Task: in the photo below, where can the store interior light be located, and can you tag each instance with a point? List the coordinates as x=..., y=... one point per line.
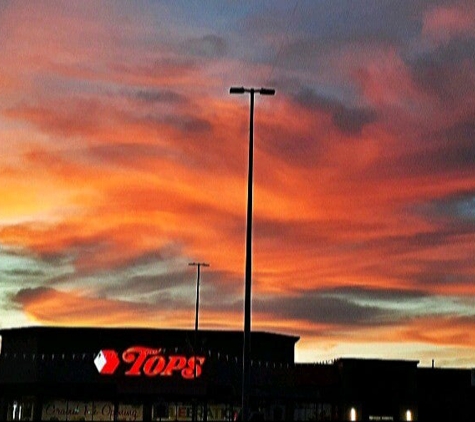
x=408, y=415
x=352, y=414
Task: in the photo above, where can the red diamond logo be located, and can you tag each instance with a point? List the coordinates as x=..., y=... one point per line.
x=107, y=362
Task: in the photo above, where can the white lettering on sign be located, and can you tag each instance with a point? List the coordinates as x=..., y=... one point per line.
x=184, y=412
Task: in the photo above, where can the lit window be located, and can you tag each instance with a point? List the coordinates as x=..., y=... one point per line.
x=352, y=414
x=408, y=415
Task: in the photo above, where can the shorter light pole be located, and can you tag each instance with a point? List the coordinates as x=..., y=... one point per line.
x=198, y=265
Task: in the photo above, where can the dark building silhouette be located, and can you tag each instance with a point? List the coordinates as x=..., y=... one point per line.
x=51, y=373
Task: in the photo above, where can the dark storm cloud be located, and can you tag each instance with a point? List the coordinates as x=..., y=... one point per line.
x=318, y=307
x=315, y=235
x=156, y=257
x=305, y=145
x=145, y=278
x=423, y=240
x=211, y=281
x=447, y=72
x=422, y=272
x=300, y=149
x=217, y=294
x=302, y=54
x=462, y=132
x=337, y=22
x=210, y=284
x=452, y=220
x=47, y=258
x=455, y=155
x=457, y=150
x=156, y=283
x=188, y=123
x=24, y=272
x=349, y=120
x=302, y=231
x=449, y=150
x=352, y=120
x=152, y=96
x=317, y=30
x=24, y=295
x=432, y=275
x=208, y=46
x=157, y=71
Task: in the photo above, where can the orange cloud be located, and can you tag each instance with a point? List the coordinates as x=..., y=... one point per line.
x=50, y=306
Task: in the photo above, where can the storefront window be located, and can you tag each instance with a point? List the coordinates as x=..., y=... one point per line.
x=20, y=410
x=103, y=411
x=220, y=412
x=55, y=410
x=324, y=412
x=72, y=410
x=184, y=412
x=130, y=412
x=161, y=411
x=305, y=412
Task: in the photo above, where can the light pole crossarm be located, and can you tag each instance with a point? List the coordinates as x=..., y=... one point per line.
x=242, y=90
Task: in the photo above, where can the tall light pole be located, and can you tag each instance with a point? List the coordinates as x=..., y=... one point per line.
x=198, y=265
x=246, y=369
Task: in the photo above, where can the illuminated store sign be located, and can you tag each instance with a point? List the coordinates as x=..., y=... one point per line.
x=150, y=362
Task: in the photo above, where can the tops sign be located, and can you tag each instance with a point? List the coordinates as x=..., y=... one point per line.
x=141, y=360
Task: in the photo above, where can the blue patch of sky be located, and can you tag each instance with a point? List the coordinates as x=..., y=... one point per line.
x=466, y=207
x=18, y=269
x=458, y=207
x=139, y=282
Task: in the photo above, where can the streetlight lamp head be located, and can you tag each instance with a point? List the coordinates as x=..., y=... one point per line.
x=267, y=91
x=237, y=90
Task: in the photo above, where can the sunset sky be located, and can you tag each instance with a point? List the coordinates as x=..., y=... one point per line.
x=124, y=158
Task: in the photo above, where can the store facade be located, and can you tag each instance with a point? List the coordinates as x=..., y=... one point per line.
x=50, y=373
x=107, y=374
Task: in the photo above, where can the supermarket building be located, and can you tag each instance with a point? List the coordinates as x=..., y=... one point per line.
x=134, y=374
